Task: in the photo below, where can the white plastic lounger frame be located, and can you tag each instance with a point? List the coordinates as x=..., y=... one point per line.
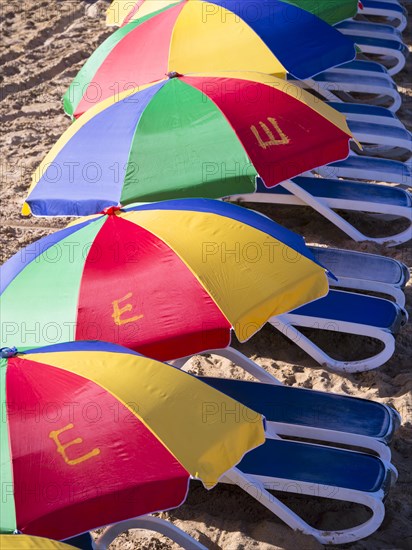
x=151, y=523
x=369, y=29
x=393, y=16
x=395, y=58
x=258, y=487
x=371, y=286
x=325, y=207
x=287, y=324
x=235, y=357
x=375, y=133
x=275, y=430
x=368, y=284
x=376, y=142
x=385, y=94
x=300, y=197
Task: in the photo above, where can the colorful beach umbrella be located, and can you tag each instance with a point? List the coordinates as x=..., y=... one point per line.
x=93, y=433
x=193, y=36
x=121, y=12
x=167, y=279
x=24, y=542
x=187, y=136
x=331, y=11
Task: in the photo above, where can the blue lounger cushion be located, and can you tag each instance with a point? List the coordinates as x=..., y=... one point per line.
x=363, y=65
x=381, y=43
x=360, y=265
x=84, y=541
x=362, y=109
x=355, y=308
x=311, y=408
x=348, y=78
x=374, y=164
x=387, y=30
x=384, y=6
x=295, y=461
x=345, y=190
x=390, y=132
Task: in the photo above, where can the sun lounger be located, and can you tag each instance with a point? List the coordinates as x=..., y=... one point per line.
x=391, y=52
x=350, y=313
x=371, y=90
x=325, y=195
x=378, y=126
x=392, y=142
x=391, y=12
x=367, y=113
x=315, y=471
x=369, y=30
x=377, y=39
x=369, y=169
x=339, y=311
x=300, y=413
x=300, y=468
x=150, y=523
x=369, y=80
x=365, y=272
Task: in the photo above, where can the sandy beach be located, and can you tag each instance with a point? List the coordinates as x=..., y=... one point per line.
x=44, y=45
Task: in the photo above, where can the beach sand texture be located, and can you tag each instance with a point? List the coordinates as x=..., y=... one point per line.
x=44, y=44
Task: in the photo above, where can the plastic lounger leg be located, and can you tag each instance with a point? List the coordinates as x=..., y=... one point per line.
x=399, y=20
x=321, y=207
x=400, y=60
x=284, y=323
x=328, y=89
x=239, y=359
x=150, y=523
x=257, y=490
x=364, y=170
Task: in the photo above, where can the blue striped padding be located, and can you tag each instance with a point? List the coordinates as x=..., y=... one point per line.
x=290, y=460
x=393, y=132
x=380, y=43
x=353, y=308
x=360, y=109
x=303, y=43
x=384, y=166
x=348, y=78
x=312, y=408
x=384, y=6
x=363, y=65
x=360, y=265
x=387, y=30
x=345, y=190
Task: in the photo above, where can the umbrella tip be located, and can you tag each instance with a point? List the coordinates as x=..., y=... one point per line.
x=8, y=352
x=111, y=210
x=173, y=74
